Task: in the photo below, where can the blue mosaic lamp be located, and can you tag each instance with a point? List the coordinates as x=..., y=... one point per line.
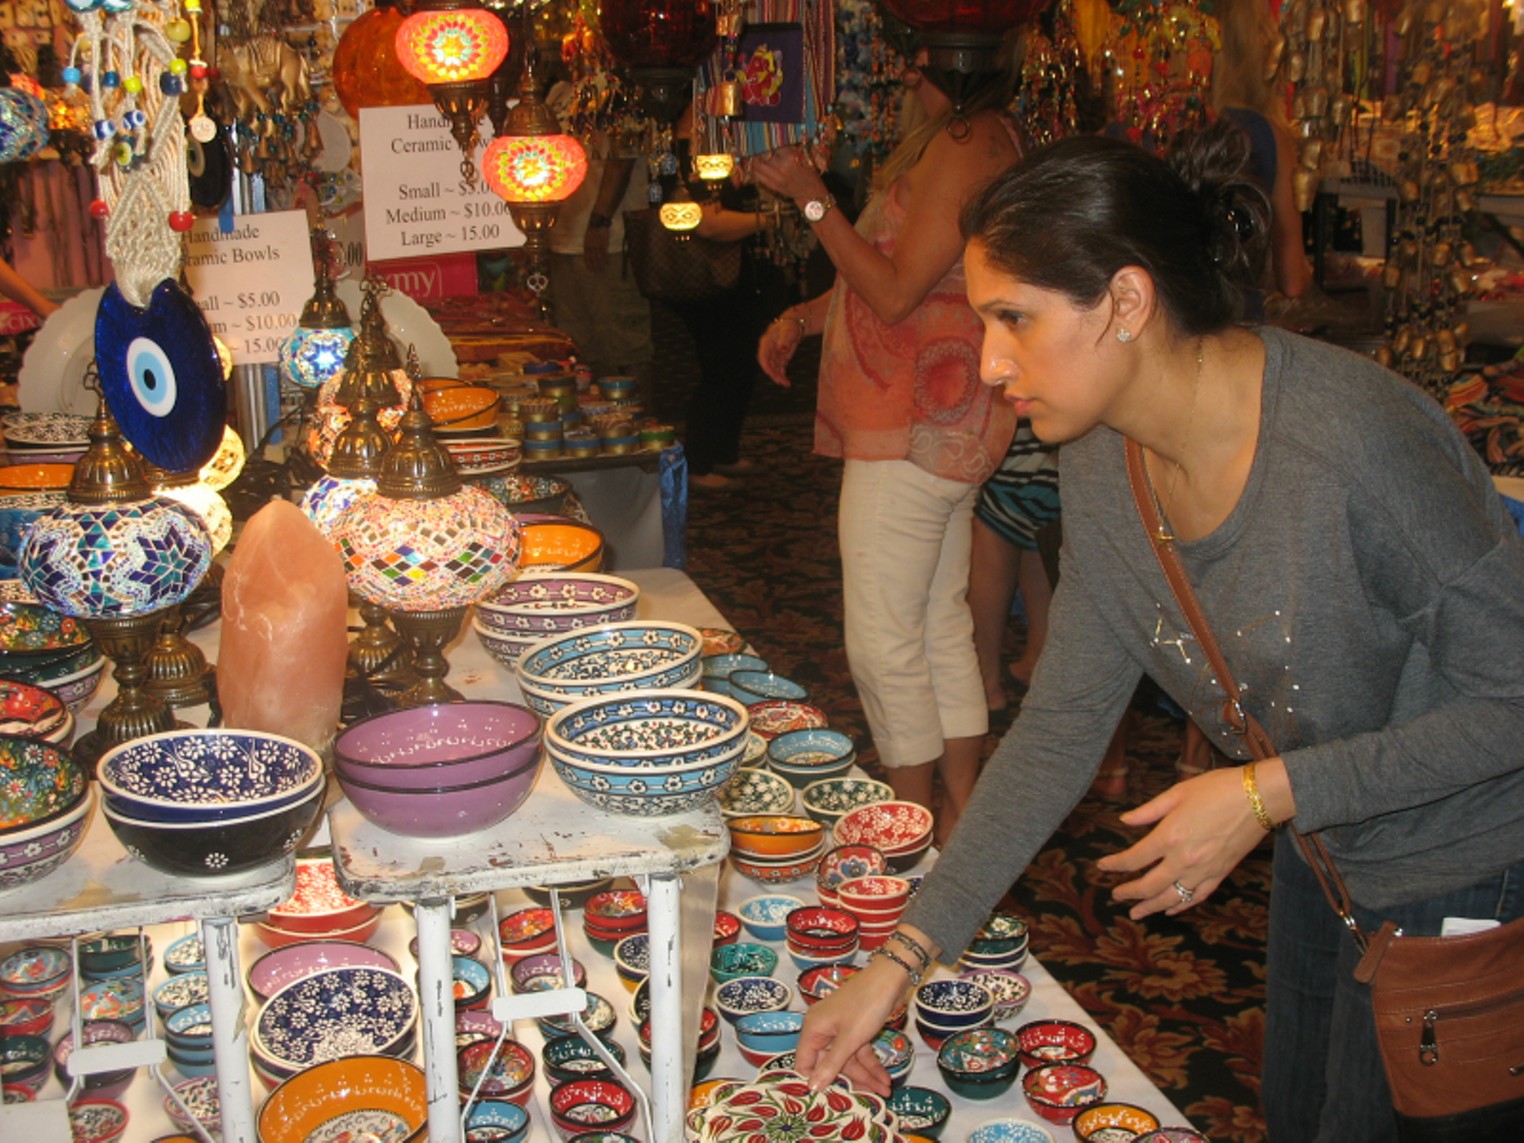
x=116, y=556
x=315, y=350
x=425, y=546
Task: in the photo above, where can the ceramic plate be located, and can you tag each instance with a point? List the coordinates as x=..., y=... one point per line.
x=780, y=1105
x=52, y=377
x=39, y=430
x=408, y=323
x=334, y=1013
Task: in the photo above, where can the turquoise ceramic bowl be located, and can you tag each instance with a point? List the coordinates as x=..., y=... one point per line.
x=742, y=959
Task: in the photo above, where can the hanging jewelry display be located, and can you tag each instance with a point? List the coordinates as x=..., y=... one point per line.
x=158, y=364
x=1162, y=55
x=1326, y=57
x=1047, y=100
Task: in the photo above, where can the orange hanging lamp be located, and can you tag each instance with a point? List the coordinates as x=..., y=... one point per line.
x=534, y=167
x=453, y=47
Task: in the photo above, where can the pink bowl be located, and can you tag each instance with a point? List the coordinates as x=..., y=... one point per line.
x=438, y=746
x=446, y=812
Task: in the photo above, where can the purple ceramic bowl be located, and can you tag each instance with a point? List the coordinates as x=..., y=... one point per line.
x=101, y=1085
x=30, y=855
x=445, y=745
x=447, y=811
x=290, y=963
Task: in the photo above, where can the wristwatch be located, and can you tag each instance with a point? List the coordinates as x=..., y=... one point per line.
x=817, y=208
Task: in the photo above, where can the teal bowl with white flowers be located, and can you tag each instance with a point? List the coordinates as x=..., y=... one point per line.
x=828, y=799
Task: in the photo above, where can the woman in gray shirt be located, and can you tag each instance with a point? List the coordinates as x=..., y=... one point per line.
x=1351, y=555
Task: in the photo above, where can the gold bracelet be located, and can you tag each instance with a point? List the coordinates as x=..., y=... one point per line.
x=1256, y=803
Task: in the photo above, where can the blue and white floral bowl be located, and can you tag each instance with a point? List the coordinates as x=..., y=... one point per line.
x=550, y=603
x=215, y=775
x=765, y=916
x=746, y=995
x=635, y=655
x=811, y=754
x=827, y=799
x=334, y=1013
x=756, y=791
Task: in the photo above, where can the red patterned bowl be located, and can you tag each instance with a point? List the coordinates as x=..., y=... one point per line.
x=821, y=929
x=318, y=905
x=1059, y=1092
x=591, y=1104
x=893, y=827
x=1054, y=1042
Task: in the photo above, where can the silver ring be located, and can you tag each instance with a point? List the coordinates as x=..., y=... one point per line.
x=1186, y=895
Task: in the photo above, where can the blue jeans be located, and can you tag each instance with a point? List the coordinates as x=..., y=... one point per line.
x=1320, y=1035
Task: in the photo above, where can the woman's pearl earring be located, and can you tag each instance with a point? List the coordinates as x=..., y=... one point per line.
x=1124, y=335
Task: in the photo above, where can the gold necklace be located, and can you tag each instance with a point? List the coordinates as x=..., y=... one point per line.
x=1163, y=535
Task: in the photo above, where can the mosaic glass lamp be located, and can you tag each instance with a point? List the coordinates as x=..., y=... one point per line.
x=453, y=47
x=117, y=557
x=658, y=44
x=425, y=546
x=316, y=349
x=371, y=366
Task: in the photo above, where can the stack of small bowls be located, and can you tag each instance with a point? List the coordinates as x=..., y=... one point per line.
x=440, y=770
x=647, y=753
x=979, y=1063
x=1000, y=943
x=115, y=954
x=945, y=1007
x=42, y=647
x=843, y=863
x=810, y=754
x=821, y=934
x=210, y=802
x=706, y=1051
x=24, y=1062
x=503, y=1073
x=901, y=831
x=538, y=604
x=762, y=1035
x=202, y=1103
x=188, y=1036
x=1009, y=989
x=877, y=902
x=572, y=1057
x=180, y=990
x=36, y=972
x=28, y=1016
x=612, y=915
x=118, y=999
x=319, y=910
x=100, y=1085
x=750, y=686
x=526, y=932
x=717, y=670
x=45, y=807
x=581, y=1105
x=773, y=843
x=592, y=662
x=29, y=711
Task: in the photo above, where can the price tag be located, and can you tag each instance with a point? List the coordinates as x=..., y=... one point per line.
x=416, y=203
x=252, y=282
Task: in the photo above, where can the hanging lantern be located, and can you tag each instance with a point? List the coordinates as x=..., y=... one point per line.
x=315, y=350
x=680, y=212
x=23, y=125
x=963, y=38
x=453, y=48
x=366, y=72
x=659, y=43
x=534, y=168
x=714, y=168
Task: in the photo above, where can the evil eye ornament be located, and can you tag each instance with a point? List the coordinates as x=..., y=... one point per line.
x=209, y=167
x=161, y=376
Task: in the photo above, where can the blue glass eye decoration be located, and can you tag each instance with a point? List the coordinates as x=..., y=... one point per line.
x=161, y=376
x=210, y=169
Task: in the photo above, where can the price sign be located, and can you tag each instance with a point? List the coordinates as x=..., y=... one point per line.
x=416, y=203
x=252, y=282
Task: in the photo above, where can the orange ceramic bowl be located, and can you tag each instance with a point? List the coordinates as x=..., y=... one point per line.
x=463, y=408
x=775, y=835
x=562, y=545
x=19, y=478
x=394, y=1089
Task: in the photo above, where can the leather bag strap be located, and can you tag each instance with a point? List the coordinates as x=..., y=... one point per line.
x=1239, y=720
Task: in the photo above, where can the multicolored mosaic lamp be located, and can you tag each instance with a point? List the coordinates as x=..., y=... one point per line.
x=116, y=556
x=315, y=350
x=454, y=46
x=425, y=546
x=371, y=366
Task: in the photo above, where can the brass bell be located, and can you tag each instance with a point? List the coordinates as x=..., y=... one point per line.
x=1418, y=347
x=1317, y=19
x=1296, y=68
x=1354, y=11
x=1384, y=357
x=1317, y=101
x=728, y=102
x=1462, y=332
x=1449, y=361
x=1304, y=184
x=1402, y=340
x=1445, y=340
x=1312, y=153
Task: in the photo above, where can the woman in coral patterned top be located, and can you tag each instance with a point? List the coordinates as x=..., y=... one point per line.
x=900, y=402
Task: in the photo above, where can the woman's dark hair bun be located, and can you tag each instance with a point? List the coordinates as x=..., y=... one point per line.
x=1214, y=162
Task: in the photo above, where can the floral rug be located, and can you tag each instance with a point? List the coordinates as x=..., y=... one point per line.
x=1183, y=996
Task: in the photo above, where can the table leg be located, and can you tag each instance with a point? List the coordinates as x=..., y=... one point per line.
x=668, y=1084
x=219, y=937
x=436, y=994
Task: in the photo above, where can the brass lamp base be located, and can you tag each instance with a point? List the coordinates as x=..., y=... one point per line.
x=378, y=655
x=177, y=669
x=428, y=633
x=135, y=711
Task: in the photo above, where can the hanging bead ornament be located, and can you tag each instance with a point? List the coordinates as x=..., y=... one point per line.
x=1047, y=99
x=159, y=367
x=1161, y=54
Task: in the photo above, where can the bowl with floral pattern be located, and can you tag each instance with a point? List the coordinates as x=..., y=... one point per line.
x=571, y=1057
x=778, y=716
x=579, y=1105
x=765, y=916
x=844, y=863
x=752, y=790
x=1110, y=1122
x=334, y=1013
x=743, y=958
x=751, y=686
x=748, y=994
x=921, y=1110
x=716, y=670
x=979, y=1063
x=35, y=971
x=635, y=654
x=32, y=632
x=900, y=829
x=543, y=972
x=29, y=711
x=96, y=1120
x=1055, y=1042
x=361, y=1096
x=1059, y=1092
x=1009, y=1129
x=778, y=871
x=828, y=799
x=28, y=855
x=810, y=754
x=953, y=1003
x=38, y=782
x=774, y=835
x=548, y=603
x=496, y=1121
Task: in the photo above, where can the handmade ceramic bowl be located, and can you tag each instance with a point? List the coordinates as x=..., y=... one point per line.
x=503, y=648
x=896, y=1051
x=1009, y=1129
x=774, y=835
x=567, y=545
x=582, y=1104
x=366, y=1093
x=544, y=971
x=900, y=830
x=185, y=954
x=843, y=863
x=97, y=1120
x=1009, y=990
x=462, y=408
x=748, y=994
x=754, y=791
x=74, y=677
x=496, y=1121
x=26, y=1016
x=38, y=782
x=523, y=931
x=318, y=904
x=632, y=959
x=193, y=849
x=1106, y=1122
x=41, y=971
x=1172, y=1135
x=598, y=1018
x=103, y=1085
x=32, y=635
x=179, y=991
x=621, y=911
x=810, y=755
x=979, y=1063
x=212, y=775
x=635, y=654
x=817, y=983
x=47, y=430
x=277, y=937
x=828, y=799
x=768, y=1033
x=541, y=603
x=440, y=745
x=28, y=855
x=483, y=456
x=335, y=1013
x=820, y=930
x=572, y=1057
x=878, y=897
x=1055, y=1042
x=762, y=686
x=741, y=959
x=779, y=716
x=717, y=669
x=24, y=1060
x=524, y=493
x=776, y=872
x=953, y=1004
x=921, y=1110
x=28, y=711
x=27, y=478
x=446, y=811
x=1059, y=1092
x=765, y=916
x=662, y=732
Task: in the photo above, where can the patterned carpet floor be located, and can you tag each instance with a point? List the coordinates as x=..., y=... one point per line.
x=1183, y=996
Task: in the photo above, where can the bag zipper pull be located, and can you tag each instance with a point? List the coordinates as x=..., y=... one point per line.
x=1428, y=1046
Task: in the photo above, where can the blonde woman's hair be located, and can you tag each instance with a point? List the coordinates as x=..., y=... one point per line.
x=1243, y=74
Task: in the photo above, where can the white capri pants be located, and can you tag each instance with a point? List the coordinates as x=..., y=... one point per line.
x=905, y=537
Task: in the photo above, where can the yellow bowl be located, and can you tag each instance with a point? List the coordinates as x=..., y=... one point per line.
x=775, y=835
x=462, y=408
x=21, y=478
x=563, y=545
x=307, y=1100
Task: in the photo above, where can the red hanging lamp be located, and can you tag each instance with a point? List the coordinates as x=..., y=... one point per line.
x=963, y=38
x=658, y=44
